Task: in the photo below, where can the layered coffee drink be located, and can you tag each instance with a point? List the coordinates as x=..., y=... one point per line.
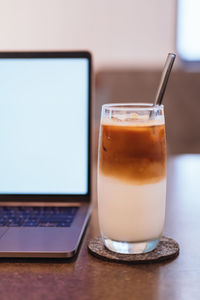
x=132, y=177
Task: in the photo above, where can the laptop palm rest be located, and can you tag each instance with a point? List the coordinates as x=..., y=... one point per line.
x=38, y=242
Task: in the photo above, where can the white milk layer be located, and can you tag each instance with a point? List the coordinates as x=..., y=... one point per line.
x=129, y=212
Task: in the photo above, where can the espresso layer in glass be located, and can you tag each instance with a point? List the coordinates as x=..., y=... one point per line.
x=132, y=152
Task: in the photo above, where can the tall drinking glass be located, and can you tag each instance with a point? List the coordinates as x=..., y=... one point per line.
x=131, y=176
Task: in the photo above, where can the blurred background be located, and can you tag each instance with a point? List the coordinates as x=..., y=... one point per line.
x=129, y=40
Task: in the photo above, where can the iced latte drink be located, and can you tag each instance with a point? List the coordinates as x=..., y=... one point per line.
x=132, y=177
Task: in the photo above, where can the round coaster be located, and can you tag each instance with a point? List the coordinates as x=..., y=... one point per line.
x=167, y=249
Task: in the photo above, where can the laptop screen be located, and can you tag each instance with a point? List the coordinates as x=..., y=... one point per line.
x=44, y=111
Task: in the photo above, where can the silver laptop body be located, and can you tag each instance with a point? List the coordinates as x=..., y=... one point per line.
x=45, y=155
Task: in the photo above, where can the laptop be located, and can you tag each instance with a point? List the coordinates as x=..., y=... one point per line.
x=45, y=157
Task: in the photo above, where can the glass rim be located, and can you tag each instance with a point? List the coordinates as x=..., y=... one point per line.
x=139, y=106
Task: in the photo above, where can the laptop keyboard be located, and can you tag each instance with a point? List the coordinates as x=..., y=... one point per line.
x=37, y=216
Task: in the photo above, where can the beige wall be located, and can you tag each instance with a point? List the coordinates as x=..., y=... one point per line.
x=118, y=32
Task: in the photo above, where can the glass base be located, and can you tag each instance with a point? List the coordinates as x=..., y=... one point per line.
x=130, y=247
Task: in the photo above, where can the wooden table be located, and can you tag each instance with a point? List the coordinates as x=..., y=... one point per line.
x=90, y=278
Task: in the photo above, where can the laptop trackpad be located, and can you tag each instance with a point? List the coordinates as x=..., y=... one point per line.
x=37, y=240
x=2, y=231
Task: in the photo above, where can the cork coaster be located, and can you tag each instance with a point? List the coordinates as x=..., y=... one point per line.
x=166, y=249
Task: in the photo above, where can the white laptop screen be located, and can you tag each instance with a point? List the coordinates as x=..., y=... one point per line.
x=44, y=125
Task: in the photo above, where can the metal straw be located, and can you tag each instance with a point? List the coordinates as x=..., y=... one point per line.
x=164, y=79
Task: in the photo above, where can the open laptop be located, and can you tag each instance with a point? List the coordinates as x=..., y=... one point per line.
x=45, y=156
